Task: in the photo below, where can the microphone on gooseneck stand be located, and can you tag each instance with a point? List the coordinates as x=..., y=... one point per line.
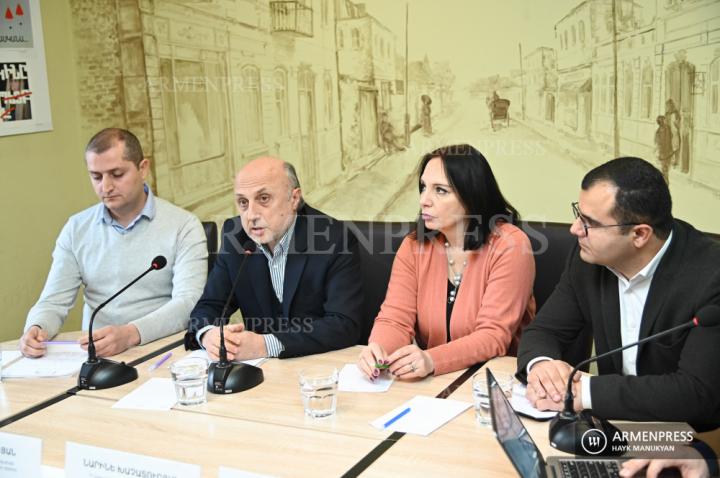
x=568, y=427
x=98, y=373
x=232, y=377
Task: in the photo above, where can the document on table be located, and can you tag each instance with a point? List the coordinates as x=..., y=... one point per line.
x=353, y=380
x=421, y=415
x=522, y=405
x=9, y=356
x=203, y=354
x=155, y=394
x=52, y=472
x=60, y=360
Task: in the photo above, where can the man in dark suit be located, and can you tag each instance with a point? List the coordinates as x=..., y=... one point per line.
x=299, y=291
x=635, y=271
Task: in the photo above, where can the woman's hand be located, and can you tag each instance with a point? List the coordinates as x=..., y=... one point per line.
x=370, y=356
x=410, y=362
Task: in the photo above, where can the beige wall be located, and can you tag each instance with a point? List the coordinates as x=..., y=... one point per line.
x=43, y=181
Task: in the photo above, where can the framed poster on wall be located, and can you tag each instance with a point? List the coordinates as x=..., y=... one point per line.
x=24, y=97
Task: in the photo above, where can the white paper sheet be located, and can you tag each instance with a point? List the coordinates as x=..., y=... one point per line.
x=9, y=356
x=60, y=360
x=522, y=405
x=155, y=394
x=52, y=472
x=203, y=354
x=426, y=415
x=353, y=380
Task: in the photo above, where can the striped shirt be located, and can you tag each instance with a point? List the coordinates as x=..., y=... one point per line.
x=276, y=265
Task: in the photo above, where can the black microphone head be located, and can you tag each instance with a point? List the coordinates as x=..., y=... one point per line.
x=249, y=246
x=708, y=316
x=158, y=263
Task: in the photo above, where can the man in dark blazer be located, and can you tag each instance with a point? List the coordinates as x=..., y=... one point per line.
x=299, y=290
x=635, y=272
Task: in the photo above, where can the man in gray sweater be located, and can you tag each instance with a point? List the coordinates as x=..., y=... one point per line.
x=107, y=245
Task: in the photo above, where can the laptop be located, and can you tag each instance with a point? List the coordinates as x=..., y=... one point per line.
x=524, y=454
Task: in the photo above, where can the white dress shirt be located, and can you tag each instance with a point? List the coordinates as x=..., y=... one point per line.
x=632, y=294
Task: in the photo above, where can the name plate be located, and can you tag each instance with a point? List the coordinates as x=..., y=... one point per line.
x=84, y=461
x=20, y=456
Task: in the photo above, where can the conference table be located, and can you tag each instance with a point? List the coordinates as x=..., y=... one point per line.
x=264, y=430
x=19, y=397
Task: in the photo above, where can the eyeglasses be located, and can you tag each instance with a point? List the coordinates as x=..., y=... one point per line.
x=586, y=226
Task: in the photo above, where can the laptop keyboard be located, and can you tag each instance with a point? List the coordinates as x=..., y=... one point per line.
x=589, y=468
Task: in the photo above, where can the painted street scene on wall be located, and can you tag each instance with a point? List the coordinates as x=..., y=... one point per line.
x=354, y=93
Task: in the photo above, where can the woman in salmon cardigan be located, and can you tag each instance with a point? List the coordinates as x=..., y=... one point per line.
x=461, y=282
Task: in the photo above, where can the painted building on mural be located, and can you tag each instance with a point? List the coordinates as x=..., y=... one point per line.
x=637, y=80
x=368, y=79
x=667, y=54
x=688, y=55
x=540, y=82
x=208, y=86
x=575, y=42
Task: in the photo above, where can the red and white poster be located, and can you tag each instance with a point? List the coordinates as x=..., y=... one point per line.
x=24, y=98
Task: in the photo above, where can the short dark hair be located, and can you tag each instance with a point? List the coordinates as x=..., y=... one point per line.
x=109, y=137
x=642, y=195
x=472, y=179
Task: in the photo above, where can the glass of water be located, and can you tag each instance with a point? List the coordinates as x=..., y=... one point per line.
x=318, y=387
x=481, y=395
x=189, y=376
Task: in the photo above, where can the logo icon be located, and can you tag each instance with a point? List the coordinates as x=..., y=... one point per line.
x=593, y=441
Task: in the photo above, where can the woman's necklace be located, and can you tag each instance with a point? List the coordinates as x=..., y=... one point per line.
x=457, y=276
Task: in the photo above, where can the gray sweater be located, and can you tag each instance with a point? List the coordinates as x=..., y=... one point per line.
x=92, y=253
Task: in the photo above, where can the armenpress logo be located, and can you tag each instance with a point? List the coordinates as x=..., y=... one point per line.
x=593, y=441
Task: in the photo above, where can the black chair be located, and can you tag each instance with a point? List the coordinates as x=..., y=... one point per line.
x=378, y=242
x=551, y=244
x=211, y=233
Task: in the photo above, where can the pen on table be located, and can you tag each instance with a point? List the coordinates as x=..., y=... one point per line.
x=160, y=362
x=396, y=417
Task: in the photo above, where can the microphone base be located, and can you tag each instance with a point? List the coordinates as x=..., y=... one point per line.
x=231, y=377
x=586, y=435
x=104, y=373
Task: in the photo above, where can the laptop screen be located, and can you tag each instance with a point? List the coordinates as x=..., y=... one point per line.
x=512, y=434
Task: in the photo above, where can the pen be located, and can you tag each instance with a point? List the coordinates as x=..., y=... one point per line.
x=160, y=362
x=382, y=366
x=396, y=417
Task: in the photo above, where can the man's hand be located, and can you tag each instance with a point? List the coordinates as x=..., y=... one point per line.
x=112, y=339
x=410, y=362
x=548, y=380
x=240, y=344
x=32, y=343
x=369, y=356
x=549, y=404
x=694, y=466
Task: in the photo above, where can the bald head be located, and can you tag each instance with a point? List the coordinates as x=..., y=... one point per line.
x=267, y=195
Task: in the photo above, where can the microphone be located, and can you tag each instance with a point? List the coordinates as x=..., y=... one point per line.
x=568, y=428
x=232, y=377
x=98, y=373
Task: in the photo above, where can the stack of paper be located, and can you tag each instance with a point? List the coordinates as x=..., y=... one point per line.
x=60, y=360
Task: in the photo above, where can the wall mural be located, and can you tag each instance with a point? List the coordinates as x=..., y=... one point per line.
x=354, y=93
